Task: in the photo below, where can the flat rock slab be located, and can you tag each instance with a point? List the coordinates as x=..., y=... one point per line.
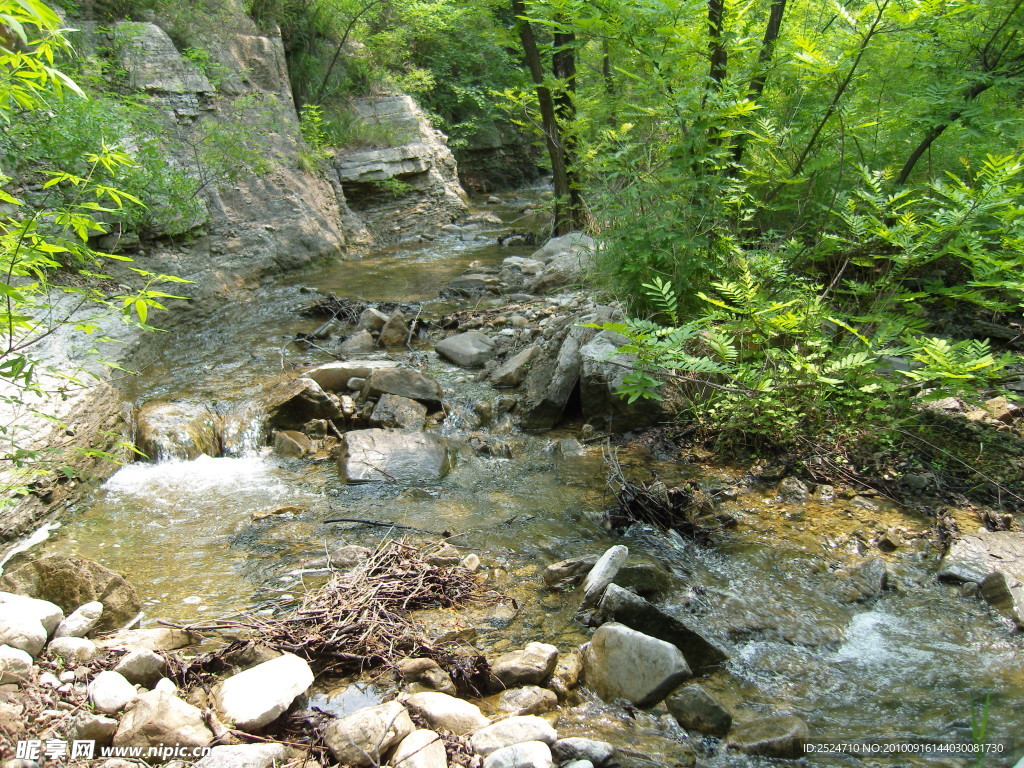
x=975, y=556
x=391, y=455
x=621, y=663
x=469, y=350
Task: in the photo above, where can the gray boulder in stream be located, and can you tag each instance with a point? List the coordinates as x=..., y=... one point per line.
x=975, y=556
x=621, y=663
x=391, y=455
x=622, y=606
x=404, y=382
x=469, y=350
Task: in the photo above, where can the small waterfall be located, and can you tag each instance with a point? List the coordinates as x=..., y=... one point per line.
x=242, y=431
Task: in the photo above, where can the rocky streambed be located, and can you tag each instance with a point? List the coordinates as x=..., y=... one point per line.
x=470, y=409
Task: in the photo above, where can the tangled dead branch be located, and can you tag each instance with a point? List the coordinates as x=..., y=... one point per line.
x=361, y=618
x=685, y=509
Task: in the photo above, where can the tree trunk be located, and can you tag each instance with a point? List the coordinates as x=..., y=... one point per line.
x=764, y=59
x=566, y=215
x=716, y=45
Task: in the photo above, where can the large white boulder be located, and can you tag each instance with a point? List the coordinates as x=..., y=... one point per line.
x=259, y=695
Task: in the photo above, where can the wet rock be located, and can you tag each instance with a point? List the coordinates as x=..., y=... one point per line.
x=70, y=581
x=576, y=748
x=109, y=692
x=648, y=578
x=553, y=376
x=697, y=710
x=15, y=665
x=46, y=613
x=603, y=573
x=177, y=431
x=292, y=444
x=426, y=672
x=566, y=675
x=444, y=555
x=622, y=606
x=865, y=580
x=359, y=343
x=420, y=749
x=512, y=372
x=244, y=756
x=444, y=712
x=364, y=737
x=620, y=662
x=567, y=573
x=512, y=730
x=529, y=666
x=259, y=695
x=1006, y=594
x=142, y=667
x=395, y=332
x=74, y=650
x=468, y=350
x=793, y=491
x=781, y=736
x=348, y=556
x=300, y=401
x=397, y=411
x=89, y=726
x=602, y=375
x=404, y=382
x=974, y=556
x=529, y=754
x=152, y=638
x=21, y=630
x=824, y=494
x=371, y=320
x=335, y=377
x=891, y=540
x=157, y=719
x=530, y=700
x=391, y=455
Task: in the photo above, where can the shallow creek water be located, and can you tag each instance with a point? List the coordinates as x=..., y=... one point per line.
x=911, y=666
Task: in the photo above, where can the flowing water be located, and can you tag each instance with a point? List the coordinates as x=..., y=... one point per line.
x=201, y=538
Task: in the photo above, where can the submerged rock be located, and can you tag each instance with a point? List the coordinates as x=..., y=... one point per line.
x=697, y=710
x=780, y=736
x=391, y=455
x=622, y=663
x=865, y=580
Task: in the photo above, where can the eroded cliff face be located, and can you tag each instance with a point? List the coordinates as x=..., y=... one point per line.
x=407, y=188
x=266, y=214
